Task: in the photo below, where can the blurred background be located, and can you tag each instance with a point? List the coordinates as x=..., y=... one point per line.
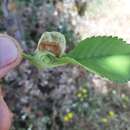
x=68, y=97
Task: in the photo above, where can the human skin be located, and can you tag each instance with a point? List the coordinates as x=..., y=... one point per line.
x=10, y=57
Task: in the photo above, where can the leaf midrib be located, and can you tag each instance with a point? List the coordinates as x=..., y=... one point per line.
x=99, y=56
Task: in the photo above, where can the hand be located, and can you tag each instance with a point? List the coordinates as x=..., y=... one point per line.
x=9, y=58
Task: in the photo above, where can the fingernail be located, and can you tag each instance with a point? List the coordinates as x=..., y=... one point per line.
x=8, y=51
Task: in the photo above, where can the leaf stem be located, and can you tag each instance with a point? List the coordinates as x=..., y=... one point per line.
x=27, y=56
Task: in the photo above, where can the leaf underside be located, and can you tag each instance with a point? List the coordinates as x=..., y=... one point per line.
x=105, y=55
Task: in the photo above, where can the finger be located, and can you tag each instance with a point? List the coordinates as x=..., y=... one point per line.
x=10, y=54
x=5, y=115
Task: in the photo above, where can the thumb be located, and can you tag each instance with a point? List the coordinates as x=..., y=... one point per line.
x=9, y=57
x=5, y=114
x=9, y=54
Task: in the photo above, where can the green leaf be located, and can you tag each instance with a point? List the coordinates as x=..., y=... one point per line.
x=105, y=55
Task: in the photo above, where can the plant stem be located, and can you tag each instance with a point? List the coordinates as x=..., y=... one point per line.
x=27, y=56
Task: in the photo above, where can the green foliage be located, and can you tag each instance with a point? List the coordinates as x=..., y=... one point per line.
x=104, y=55
x=42, y=59
x=107, y=56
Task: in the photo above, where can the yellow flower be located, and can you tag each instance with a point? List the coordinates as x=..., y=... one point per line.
x=79, y=95
x=111, y=114
x=66, y=118
x=104, y=120
x=82, y=94
x=69, y=116
x=84, y=90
